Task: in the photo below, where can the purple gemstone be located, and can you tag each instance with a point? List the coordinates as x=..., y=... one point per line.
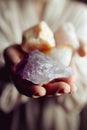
x=39, y=68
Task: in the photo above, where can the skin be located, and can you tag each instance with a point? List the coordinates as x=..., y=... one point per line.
x=14, y=54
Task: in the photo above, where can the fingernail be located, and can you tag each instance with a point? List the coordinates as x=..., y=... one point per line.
x=59, y=92
x=63, y=91
x=35, y=96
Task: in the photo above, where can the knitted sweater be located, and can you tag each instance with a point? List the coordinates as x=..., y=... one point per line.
x=56, y=113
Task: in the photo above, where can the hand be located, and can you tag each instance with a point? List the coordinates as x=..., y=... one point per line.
x=13, y=55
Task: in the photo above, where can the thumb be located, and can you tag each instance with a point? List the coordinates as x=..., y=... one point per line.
x=13, y=55
x=82, y=51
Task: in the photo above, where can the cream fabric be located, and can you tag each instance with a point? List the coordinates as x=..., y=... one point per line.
x=58, y=113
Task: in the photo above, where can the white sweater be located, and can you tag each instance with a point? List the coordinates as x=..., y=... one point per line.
x=59, y=113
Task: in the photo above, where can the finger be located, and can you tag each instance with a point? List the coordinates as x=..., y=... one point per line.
x=32, y=91
x=68, y=80
x=28, y=88
x=82, y=51
x=57, y=88
x=37, y=91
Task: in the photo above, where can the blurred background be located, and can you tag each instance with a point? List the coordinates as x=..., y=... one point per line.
x=6, y=119
x=85, y=1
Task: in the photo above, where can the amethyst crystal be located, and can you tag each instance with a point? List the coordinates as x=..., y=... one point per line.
x=39, y=68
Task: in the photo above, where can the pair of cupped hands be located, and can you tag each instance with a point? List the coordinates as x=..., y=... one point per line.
x=14, y=54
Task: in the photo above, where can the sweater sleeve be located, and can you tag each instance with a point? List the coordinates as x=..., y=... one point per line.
x=9, y=96
x=77, y=14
